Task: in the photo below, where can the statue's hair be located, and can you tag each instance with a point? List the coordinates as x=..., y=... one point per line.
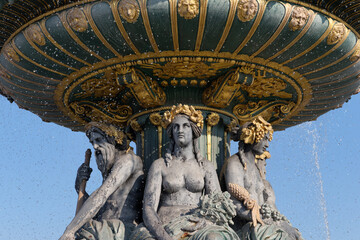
x=196, y=135
x=110, y=139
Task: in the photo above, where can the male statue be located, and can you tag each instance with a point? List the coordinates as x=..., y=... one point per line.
x=116, y=204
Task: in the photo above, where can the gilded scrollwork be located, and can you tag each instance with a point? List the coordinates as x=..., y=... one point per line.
x=103, y=87
x=77, y=20
x=35, y=34
x=188, y=9
x=266, y=87
x=247, y=9
x=135, y=125
x=129, y=10
x=155, y=119
x=299, y=17
x=337, y=33
x=102, y=111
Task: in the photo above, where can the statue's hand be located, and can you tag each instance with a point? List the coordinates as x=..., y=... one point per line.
x=199, y=223
x=83, y=173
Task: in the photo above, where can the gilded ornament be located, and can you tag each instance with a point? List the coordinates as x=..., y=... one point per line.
x=179, y=68
x=247, y=9
x=355, y=56
x=203, y=83
x=299, y=17
x=129, y=10
x=264, y=156
x=183, y=82
x=188, y=9
x=35, y=34
x=213, y=119
x=109, y=129
x=193, y=82
x=231, y=125
x=135, y=125
x=256, y=131
x=164, y=83
x=155, y=119
x=267, y=87
x=174, y=82
x=194, y=115
x=77, y=20
x=11, y=53
x=337, y=33
x=104, y=87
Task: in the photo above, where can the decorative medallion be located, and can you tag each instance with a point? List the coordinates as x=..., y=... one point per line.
x=213, y=119
x=337, y=33
x=35, y=34
x=155, y=119
x=247, y=9
x=77, y=19
x=11, y=53
x=129, y=10
x=135, y=125
x=188, y=9
x=185, y=68
x=299, y=17
x=356, y=55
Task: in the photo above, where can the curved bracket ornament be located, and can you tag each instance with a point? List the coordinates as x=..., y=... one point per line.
x=146, y=91
x=222, y=91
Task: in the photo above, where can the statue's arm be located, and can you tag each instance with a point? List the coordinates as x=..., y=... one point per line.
x=152, y=199
x=234, y=173
x=120, y=172
x=211, y=179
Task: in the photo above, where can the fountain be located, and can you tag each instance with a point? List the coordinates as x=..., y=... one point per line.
x=127, y=62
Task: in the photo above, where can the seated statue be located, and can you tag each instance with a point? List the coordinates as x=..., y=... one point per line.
x=110, y=212
x=182, y=198
x=257, y=215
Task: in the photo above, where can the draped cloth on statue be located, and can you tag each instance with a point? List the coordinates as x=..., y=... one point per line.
x=112, y=229
x=262, y=232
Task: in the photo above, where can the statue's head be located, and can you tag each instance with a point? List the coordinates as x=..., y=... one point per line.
x=184, y=126
x=299, y=16
x=106, y=140
x=256, y=134
x=247, y=9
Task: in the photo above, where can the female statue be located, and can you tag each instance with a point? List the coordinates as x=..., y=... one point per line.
x=176, y=185
x=111, y=211
x=253, y=195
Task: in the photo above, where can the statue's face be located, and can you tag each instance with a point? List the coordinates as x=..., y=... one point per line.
x=182, y=132
x=248, y=10
x=189, y=6
x=260, y=147
x=130, y=10
x=298, y=19
x=104, y=151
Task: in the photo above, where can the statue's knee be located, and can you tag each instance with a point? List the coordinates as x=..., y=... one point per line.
x=214, y=236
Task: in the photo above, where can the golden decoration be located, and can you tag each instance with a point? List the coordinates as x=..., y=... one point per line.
x=77, y=19
x=174, y=82
x=241, y=194
x=104, y=87
x=256, y=131
x=337, y=33
x=164, y=83
x=35, y=34
x=194, y=115
x=183, y=82
x=299, y=16
x=222, y=91
x=264, y=156
x=11, y=53
x=203, y=83
x=231, y=125
x=109, y=130
x=355, y=56
x=146, y=91
x=188, y=9
x=186, y=68
x=193, y=82
x=267, y=87
x=213, y=119
x=247, y=9
x=129, y=10
x=155, y=119
x=135, y=126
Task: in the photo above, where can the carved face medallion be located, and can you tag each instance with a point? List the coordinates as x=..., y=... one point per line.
x=35, y=34
x=104, y=151
x=129, y=10
x=260, y=147
x=298, y=19
x=77, y=20
x=247, y=9
x=188, y=9
x=182, y=132
x=336, y=34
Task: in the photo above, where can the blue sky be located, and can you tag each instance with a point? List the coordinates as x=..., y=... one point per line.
x=314, y=171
